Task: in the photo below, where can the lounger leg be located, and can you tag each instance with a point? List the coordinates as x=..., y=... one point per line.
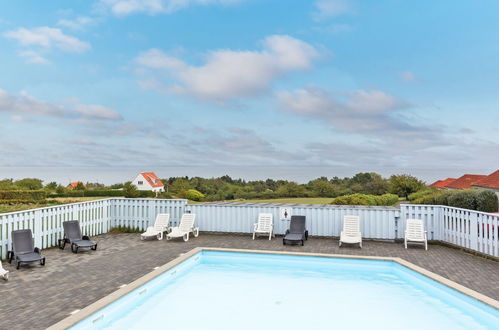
x=18, y=265
x=302, y=242
x=426, y=245
x=270, y=236
x=94, y=247
x=405, y=243
x=360, y=244
x=42, y=262
x=254, y=235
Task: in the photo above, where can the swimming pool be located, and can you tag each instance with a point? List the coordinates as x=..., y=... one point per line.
x=235, y=290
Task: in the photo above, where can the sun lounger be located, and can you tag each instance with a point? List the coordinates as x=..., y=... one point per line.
x=297, y=232
x=264, y=226
x=351, y=230
x=3, y=273
x=414, y=232
x=185, y=227
x=72, y=235
x=23, y=249
x=161, y=224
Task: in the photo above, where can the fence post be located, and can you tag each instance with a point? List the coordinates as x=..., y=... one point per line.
x=38, y=228
x=474, y=231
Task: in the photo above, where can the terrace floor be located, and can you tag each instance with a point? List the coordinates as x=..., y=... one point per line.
x=37, y=297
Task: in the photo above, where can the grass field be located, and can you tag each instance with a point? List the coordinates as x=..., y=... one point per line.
x=300, y=200
x=6, y=207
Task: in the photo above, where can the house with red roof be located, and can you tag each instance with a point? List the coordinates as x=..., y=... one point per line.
x=465, y=182
x=74, y=184
x=442, y=184
x=148, y=181
x=490, y=182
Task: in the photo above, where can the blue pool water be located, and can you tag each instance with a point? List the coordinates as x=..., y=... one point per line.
x=228, y=290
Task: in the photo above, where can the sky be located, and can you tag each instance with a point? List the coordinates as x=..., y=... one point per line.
x=327, y=87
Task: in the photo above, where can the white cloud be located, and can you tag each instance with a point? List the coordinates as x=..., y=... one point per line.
x=230, y=74
x=33, y=57
x=325, y=9
x=47, y=38
x=152, y=7
x=24, y=104
x=359, y=111
x=408, y=76
x=79, y=23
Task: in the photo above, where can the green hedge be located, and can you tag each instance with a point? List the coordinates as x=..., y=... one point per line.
x=35, y=195
x=364, y=199
x=472, y=199
x=28, y=201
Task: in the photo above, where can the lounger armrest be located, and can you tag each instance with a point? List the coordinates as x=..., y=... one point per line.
x=287, y=232
x=86, y=238
x=255, y=225
x=37, y=250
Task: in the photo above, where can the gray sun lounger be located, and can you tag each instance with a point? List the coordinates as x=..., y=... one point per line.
x=72, y=235
x=297, y=232
x=23, y=248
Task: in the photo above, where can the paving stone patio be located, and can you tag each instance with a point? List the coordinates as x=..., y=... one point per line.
x=36, y=297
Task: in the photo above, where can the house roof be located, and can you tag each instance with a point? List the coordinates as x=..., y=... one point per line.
x=490, y=181
x=442, y=183
x=153, y=179
x=465, y=182
x=74, y=184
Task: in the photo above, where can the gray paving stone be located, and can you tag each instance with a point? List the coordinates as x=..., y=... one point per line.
x=36, y=297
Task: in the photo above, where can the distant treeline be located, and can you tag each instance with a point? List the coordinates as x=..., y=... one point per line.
x=227, y=188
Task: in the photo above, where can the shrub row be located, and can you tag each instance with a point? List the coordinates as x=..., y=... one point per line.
x=28, y=201
x=472, y=199
x=102, y=193
x=23, y=194
x=363, y=199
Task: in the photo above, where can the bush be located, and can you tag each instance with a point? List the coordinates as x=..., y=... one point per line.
x=23, y=194
x=193, y=195
x=479, y=200
x=486, y=201
x=364, y=199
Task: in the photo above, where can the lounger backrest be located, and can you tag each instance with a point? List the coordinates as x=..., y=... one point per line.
x=162, y=221
x=351, y=225
x=414, y=229
x=264, y=221
x=22, y=241
x=297, y=225
x=72, y=230
x=187, y=222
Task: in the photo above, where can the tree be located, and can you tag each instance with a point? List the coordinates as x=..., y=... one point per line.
x=404, y=185
x=193, y=195
x=322, y=188
x=80, y=186
x=51, y=186
x=291, y=189
x=29, y=184
x=130, y=191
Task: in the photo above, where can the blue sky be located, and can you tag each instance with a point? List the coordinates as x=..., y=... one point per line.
x=347, y=85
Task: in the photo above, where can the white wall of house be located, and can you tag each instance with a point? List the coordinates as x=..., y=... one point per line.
x=142, y=184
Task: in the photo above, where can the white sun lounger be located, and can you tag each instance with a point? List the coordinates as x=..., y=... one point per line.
x=185, y=227
x=414, y=232
x=161, y=225
x=351, y=230
x=264, y=226
x=4, y=273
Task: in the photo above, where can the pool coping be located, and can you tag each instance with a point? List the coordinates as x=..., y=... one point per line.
x=103, y=302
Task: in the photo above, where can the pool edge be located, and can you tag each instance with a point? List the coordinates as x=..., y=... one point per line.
x=103, y=302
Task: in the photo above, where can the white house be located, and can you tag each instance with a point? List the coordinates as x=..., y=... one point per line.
x=148, y=181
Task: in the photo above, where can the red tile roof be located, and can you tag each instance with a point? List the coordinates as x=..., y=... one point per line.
x=490, y=181
x=153, y=179
x=442, y=183
x=74, y=184
x=466, y=181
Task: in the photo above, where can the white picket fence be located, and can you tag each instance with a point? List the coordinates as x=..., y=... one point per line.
x=473, y=230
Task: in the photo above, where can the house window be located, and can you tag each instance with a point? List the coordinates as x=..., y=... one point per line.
x=140, y=182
